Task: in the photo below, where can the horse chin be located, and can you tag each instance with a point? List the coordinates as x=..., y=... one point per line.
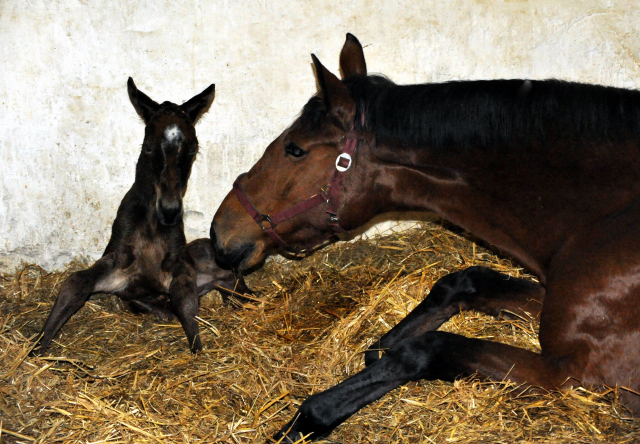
x=242, y=257
x=254, y=260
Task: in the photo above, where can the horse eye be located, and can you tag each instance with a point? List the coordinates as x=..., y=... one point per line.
x=294, y=150
x=147, y=148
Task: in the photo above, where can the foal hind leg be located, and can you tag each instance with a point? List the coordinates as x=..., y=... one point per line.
x=476, y=288
x=432, y=355
x=74, y=292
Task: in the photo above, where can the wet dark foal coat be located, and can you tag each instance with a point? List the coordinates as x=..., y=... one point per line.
x=147, y=262
x=546, y=171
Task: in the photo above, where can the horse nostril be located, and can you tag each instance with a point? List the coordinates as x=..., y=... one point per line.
x=170, y=213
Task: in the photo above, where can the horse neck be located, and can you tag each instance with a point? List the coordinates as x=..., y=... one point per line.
x=447, y=187
x=138, y=205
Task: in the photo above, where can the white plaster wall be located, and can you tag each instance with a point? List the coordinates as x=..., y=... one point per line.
x=69, y=137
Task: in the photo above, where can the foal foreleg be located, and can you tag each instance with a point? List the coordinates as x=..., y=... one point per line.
x=433, y=355
x=476, y=288
x=185, y=303
x=74, y=292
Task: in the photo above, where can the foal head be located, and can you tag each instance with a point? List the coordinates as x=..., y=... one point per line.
x=295, y=166
x=169, y=149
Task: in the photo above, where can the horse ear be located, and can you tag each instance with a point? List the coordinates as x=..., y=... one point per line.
x=198, y=105
x=352, y=61
x=145, y=107
x=337, y=98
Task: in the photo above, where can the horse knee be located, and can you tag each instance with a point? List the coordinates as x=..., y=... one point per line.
x=445, y=299
x=413, y=358
x=410, y=358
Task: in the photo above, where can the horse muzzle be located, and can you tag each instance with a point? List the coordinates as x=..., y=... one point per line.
x=233, y=256
x=169, y=211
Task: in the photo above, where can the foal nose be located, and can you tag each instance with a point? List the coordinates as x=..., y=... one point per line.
x=169, y=212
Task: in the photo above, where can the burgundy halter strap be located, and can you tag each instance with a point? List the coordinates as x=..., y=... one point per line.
x=329, y=194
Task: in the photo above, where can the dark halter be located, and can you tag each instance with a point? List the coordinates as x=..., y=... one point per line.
x=329, y=194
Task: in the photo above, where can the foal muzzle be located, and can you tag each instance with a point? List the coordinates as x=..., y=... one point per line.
x=169, y=213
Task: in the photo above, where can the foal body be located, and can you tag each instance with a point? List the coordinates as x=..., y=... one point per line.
x=147, y=262
x=546, y=171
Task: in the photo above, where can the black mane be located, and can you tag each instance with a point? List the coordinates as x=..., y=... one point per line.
x=493, y=113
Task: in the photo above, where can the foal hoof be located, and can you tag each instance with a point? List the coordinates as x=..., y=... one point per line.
x=37, y=352
x=236, y=299
x=197, y=346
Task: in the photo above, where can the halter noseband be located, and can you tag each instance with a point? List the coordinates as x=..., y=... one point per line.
x=329, y=194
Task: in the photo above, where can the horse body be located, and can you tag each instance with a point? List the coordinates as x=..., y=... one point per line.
x=147, y=262
x=521, y=204
x=577, y=230
x=546, y=171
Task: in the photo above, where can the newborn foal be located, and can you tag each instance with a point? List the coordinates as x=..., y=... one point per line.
x=147, y=262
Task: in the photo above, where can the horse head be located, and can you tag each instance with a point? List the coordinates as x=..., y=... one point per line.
x=169, y=149
x=288, y=192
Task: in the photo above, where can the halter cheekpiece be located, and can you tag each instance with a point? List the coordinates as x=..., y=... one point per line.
x=329, y=194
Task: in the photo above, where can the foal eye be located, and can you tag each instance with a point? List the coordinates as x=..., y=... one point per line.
x=294, y=150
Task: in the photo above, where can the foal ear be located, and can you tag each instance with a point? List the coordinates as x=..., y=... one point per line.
x=337, y=98
x=145, y=107
x=198, y=105
x=352, y=61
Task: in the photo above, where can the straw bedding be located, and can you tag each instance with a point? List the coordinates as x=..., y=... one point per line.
x=114, y=377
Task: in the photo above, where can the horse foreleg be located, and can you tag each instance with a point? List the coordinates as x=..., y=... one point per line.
x=74, y=292
x=476, y=288
x=185, y=303
x=433, y=355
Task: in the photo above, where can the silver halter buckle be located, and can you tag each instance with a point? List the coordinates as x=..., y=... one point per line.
x=341, y=168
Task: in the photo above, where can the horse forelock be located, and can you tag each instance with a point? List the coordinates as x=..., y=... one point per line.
x=497, y=114
x=312, y=115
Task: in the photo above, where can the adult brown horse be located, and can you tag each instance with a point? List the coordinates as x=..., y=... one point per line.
x=546, y=171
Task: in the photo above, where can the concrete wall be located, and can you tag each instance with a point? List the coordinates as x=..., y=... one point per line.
x=69, y=137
